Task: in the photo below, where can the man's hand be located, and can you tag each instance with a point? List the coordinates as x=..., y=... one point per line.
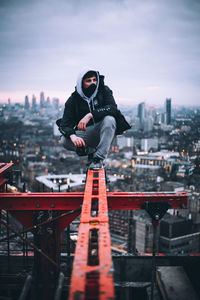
x=83, y=122
x=77, y=141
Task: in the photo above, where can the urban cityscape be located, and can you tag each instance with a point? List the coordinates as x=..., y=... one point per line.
x=70, y=228
x=159, y=153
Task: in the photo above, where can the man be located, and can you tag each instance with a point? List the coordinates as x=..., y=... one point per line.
x=91, y=119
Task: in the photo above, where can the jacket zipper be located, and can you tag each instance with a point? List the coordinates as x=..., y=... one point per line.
x=91, y=112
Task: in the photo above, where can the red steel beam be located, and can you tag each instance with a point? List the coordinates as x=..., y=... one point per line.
x=120, y=201
x=92, y=274
x=70, y=201
x=4, y=168
x=40, y=201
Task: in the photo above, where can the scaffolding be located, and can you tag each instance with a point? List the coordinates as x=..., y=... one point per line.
x=46, y=215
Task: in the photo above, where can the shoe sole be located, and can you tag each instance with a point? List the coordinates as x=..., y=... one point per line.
x=93, y=168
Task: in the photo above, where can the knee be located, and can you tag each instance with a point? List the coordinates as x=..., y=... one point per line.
x=65, y=142
x=109, y=121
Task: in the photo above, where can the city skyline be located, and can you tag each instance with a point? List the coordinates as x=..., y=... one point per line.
x=37, y=96
x=148, y=51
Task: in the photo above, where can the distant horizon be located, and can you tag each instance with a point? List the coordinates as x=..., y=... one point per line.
x=19, y=97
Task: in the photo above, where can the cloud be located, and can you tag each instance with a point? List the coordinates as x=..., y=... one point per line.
x=137, y=44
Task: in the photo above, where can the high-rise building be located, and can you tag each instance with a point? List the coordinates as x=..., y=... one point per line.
x=143, y=235
x=48, y=104
x=148, y=124
x=158, y=118
x=141, y=112
x=168, y=111
x=147, y=144
x=42, y=101
x=34, y=104
x=177, y=236
x=27, y=104
x=55, y=102
x=163, y=118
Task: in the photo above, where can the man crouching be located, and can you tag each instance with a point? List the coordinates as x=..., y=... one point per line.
x=91, y=119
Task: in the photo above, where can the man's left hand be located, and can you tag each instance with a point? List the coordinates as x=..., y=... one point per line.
x=83, y=122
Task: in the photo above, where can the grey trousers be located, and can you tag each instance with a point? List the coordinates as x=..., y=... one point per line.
x=98, y=137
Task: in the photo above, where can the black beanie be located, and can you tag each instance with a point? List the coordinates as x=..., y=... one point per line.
x=90, y=74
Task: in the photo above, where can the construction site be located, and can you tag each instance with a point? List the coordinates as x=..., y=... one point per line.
x=40, y=260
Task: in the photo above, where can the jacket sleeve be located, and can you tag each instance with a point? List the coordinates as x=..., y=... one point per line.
x=68, y=122
x=109, y=108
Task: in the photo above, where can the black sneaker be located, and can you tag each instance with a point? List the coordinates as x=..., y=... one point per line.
x=97, y=163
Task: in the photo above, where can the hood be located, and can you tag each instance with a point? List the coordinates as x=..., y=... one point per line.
x=79, y=89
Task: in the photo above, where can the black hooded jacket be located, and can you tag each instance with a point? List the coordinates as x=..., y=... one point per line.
x=102, y=105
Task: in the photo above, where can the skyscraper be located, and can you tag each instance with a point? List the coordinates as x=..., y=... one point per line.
x=42, y=102
x=34, y=104
x=141, y=112
x=9, y=103
x=26, y=105
x=168, y=111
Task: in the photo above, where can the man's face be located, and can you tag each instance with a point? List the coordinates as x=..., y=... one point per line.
x=88, y=81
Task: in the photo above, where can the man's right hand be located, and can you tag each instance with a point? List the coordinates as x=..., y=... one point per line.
x=77, y=141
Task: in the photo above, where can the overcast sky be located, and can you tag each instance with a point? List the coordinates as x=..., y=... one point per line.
x=147, y=50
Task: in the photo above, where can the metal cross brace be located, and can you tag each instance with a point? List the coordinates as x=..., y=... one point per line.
x=92, y=276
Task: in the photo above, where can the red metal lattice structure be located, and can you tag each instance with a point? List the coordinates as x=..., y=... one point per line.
x=4, y=168
x=92, y=275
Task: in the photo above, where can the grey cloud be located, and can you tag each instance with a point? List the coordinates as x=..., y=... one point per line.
x=136, y=43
